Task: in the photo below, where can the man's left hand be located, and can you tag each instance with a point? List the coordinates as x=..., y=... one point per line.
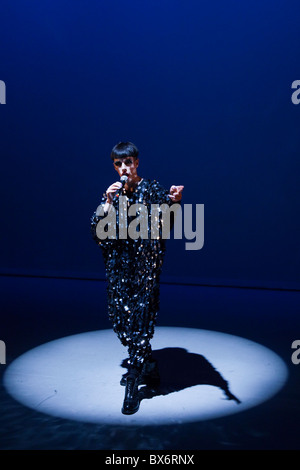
x=176, y=193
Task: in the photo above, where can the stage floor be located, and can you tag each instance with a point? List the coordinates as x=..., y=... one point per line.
x=52, y=327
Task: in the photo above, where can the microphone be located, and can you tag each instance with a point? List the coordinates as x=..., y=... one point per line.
x=123, y=180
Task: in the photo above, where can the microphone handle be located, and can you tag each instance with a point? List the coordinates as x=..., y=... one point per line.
x=117, y=193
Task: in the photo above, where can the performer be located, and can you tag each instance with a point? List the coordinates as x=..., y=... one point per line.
x=133, y=267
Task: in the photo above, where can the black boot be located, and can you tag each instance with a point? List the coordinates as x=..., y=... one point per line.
x=131, y=402
x=148, y=376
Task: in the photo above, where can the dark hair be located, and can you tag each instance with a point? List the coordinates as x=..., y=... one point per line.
x=124, y=150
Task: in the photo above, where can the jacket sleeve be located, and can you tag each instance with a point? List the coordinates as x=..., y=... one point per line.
x=95, y=219
x=94, y=222
x=161, y=196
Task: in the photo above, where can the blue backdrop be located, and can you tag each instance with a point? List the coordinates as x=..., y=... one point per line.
x=202, y=88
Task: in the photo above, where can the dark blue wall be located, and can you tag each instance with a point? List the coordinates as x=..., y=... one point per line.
x=202, y=88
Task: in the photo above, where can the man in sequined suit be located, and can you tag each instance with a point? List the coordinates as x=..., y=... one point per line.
x=133, y=266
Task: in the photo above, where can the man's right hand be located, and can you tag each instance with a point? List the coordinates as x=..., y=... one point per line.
x=111, y=191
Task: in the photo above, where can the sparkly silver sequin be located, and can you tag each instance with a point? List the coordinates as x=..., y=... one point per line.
x=133, y=270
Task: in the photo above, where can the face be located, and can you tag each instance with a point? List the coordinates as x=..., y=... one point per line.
x=127, y=166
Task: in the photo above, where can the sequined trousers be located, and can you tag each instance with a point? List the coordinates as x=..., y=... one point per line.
x=133, y=271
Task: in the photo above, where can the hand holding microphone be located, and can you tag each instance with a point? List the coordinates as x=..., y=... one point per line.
x=115, y=188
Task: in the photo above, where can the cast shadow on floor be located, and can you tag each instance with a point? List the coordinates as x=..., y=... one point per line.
x=179, y=369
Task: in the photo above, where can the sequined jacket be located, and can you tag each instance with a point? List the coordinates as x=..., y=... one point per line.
x=149, y=194
x=133, y=267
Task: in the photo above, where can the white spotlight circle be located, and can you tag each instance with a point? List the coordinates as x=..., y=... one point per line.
x=78, y=377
